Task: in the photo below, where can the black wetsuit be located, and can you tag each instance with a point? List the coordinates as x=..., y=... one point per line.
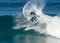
x=34, y=18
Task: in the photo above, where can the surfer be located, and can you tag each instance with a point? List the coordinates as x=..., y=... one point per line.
x=33, y=17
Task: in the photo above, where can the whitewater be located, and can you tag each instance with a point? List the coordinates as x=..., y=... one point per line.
x=44, y=24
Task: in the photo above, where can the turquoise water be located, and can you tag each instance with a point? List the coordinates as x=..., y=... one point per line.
x=9, y=35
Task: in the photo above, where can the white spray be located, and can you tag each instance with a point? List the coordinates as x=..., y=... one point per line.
x=44, y=24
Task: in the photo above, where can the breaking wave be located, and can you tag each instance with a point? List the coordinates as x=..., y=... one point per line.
x=39, y=22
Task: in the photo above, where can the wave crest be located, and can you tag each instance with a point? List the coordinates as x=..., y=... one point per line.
x=41, y=23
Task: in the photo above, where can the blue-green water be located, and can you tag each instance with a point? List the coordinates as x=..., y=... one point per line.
x=9, y=35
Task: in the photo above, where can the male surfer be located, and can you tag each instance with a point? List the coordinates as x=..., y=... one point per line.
x=34, y=18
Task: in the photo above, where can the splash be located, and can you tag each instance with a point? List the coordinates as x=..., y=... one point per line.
x=42, y=23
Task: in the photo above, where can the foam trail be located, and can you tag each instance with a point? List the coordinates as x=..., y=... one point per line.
x=43, y=24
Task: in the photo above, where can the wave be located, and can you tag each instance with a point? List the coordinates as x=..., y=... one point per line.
x=42, y=23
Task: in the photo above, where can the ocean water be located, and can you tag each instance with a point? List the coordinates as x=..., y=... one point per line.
x=10, y=35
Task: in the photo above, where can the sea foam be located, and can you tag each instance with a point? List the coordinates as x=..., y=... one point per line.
x=44, y=24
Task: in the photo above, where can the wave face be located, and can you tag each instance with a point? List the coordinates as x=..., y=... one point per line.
x=38, y=21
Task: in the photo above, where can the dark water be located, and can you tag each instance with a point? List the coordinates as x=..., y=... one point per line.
x=9, y=35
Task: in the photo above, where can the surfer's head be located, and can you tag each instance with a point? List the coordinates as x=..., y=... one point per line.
x=32, y=13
